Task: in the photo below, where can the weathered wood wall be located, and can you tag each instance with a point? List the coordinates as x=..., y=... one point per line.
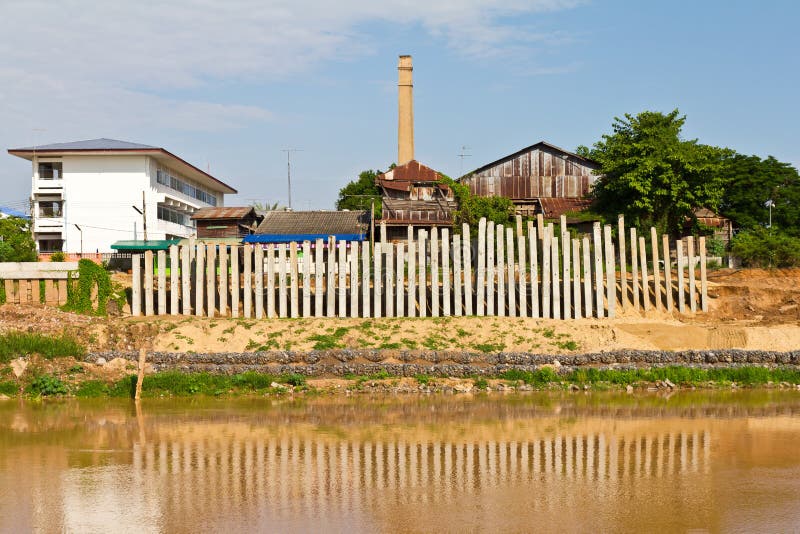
x=538, y=271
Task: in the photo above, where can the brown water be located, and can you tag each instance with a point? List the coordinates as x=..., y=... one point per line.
x=715, y=462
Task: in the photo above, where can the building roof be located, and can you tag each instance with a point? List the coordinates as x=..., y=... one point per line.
x=224, y=213
x=534, y=146
x=556, y=207
x=114, y=146
x=313, y=223
x=413, y=171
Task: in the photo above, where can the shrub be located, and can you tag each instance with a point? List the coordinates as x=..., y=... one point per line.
x=47, y=385
x=92, y=389
x=762, y=247
x=7, y=387
x=58, y=256
x=79, y=294
x=295, y=379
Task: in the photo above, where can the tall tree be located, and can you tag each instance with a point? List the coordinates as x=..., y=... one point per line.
x=750, y=182
x=653, y=176
x=16, y=241
x=360, y=193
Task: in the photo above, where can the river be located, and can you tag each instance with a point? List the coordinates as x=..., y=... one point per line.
x=718, y=461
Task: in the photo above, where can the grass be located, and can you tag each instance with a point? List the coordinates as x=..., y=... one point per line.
x=7, y=387
x=15, y=344
x=330, y=340
x=489, y=347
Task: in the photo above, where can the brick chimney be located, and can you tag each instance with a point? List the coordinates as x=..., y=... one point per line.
x=405, y=111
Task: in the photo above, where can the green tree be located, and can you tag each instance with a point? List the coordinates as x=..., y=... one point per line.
x=653, y=176
x=359, y=194
x=16, y=240
x=750, y=182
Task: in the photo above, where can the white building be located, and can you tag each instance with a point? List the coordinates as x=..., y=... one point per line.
x=84, y=194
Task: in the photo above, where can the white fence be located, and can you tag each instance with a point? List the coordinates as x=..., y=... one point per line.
x=536, y=271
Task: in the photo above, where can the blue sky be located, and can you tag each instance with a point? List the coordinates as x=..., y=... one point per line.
x=227, y=85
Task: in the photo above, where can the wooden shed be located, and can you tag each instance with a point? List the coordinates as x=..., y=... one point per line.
x=225, y=222
x=541, y=178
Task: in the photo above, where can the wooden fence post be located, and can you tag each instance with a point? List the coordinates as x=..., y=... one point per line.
x=546, y=274
x=457, y=274
x=533, y=245
x=635, y=268
x=234, y=281
x=501, y=270
x=354, y=279
x=259, y=276
x=587, y=278
x=366, y=277
x=412, y=278
x=576, y=277
x=623, y=262
x=656, y=268
x=211, y=279
x=162, y=282
x=377, y=280
x=523, y=261
x=480, y=283
x=510, y=267
x=330, y=279
x=422, y=284
x=294, y=303
x=565, y=266
x=490, y=268
x=645, y=280
x=611, y=283
x=186, y=280
x=681, y=280
x=136, y=289
x=703, y=279
x=446, y=272
x=199, y=301
x=555, y=268
x=174, y=272
x=434, y=272
x=282, y=303
x=319, y=277
x=248, y=280
x=667, y=271
x=388, y=249
x=401, y=280
x=223, y=279
x=598, y=270
x=270, y=273
x=692, y=288
x=467, y=258
x=148, y=282
x=342, y=278
x=306, y=278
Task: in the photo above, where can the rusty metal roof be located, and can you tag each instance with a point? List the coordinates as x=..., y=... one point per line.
x=313, y=222
x=540, y=144
x=556, y=207
x=413, y=171
x=227, y=212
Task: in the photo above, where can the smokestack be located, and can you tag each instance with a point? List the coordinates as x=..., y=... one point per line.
x=405, y=111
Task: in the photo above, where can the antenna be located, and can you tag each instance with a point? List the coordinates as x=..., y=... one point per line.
x=289, y=170
x=463, y=155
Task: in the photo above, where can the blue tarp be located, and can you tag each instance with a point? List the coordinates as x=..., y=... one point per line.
x=299, y=238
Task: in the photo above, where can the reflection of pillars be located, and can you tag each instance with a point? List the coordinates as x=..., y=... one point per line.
x=162, y=459
x=536, y=456
x=590, y=474
x=670, y=452
x=648, y=453
x=601, y=456
x=613, y=458
x=321, y=499
x=695, y=452
x=569, y=456
x=461, y=468
x=706, y=452
x=369, y=483
x=481, y=465
x=659, y=446
x=412, y=465
x=502, y=459
x=548, y=456
x=402, y=456
x=426, y=471
x=308, y=488
x=684, y=451
x=470, y=482
x=625, y=462
x=391, y=465
x=638, y=468
x=448, y=470
x=579, y=457
x=380, y=481
x=437, y=468
x=491, y=459
x=514, y=472
x=259, y=474
x=524, y=461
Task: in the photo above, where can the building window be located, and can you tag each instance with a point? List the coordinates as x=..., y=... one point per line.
x=51, y=245
x=166, y=214
x=166, y=179
x=50, y=171
x=51, y=208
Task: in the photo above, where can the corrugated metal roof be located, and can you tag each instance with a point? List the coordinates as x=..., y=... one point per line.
x=556, y=207
x=150, y=244
x=232, y=212
x=413, y=171
x=313, y=222
x=91, y=144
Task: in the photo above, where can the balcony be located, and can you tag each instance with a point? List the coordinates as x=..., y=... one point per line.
x=48, y=225
x=48, y=186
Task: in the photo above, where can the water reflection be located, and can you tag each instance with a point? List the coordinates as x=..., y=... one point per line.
x=516, y=463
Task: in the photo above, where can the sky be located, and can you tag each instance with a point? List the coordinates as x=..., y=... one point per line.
x=229, y=85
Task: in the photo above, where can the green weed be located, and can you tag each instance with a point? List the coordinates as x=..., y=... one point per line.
x=47, y=385
x=15, y=344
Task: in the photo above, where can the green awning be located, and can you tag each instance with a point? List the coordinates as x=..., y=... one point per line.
x=150, y=244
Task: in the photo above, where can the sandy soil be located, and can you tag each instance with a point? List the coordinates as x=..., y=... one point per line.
x=749, y=309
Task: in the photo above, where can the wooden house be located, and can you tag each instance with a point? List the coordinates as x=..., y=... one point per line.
x=541, y=178
x=227, y=222
x=413, y=194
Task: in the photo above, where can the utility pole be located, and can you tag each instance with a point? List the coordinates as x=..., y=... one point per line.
x=143, y=213
x=463, y=155
x=289, y=170
x=81, y=231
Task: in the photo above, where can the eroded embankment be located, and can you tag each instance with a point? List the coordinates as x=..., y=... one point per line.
x=345, y=362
